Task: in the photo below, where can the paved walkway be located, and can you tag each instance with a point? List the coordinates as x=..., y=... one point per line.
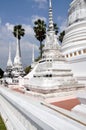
x=43, y=116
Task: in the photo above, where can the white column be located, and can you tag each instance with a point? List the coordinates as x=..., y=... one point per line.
x=17, y=59
x=9, y=62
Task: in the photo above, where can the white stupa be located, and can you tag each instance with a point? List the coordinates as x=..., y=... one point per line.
x=17, y=69
x=52, y=73
x=74, y=42
x=8, y=70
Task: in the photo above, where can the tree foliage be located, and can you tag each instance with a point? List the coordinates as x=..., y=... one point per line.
x=56, y=29
x=18, y=31
x=62, y=34
x=1, y=73
x=27, y=69
x=40, y=32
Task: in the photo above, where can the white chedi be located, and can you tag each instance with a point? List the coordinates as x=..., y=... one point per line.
x=52, y=73
x=17, y=69
x=74, y=42
x=8, y=70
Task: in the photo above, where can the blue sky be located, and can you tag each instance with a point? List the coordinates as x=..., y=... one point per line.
x=25, y=12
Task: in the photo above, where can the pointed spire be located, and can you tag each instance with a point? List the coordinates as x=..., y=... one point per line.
x=50, y=16
x=17, y=59
x=18, y=47
x=33, y=54
x=50, y=4
x=9, y=62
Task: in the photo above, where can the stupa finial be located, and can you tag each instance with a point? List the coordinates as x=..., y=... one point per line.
x=50, y=16
x=50, y=4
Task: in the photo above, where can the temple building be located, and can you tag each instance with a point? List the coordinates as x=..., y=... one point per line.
x=52, y=73
x=74, y=42
x=56, y=100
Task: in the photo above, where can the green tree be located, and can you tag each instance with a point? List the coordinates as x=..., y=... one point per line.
x=1, y=73
x=40, y=32
x=2, y=124
x=18, y=32
x=39, y=57
x=61, y=36
x=27, y=69
x=56, y=28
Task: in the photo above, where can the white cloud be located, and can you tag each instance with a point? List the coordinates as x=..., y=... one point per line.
x=41, y=3
x=28, y=29
x=9, y=26
x=63, y=25
x=0, y=21
x=36, y=17
x=59, y=18
x=26, y=50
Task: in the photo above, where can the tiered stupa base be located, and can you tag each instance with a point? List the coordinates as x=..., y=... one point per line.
x=55, y=90
x=51, y=76
x=74, y=49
